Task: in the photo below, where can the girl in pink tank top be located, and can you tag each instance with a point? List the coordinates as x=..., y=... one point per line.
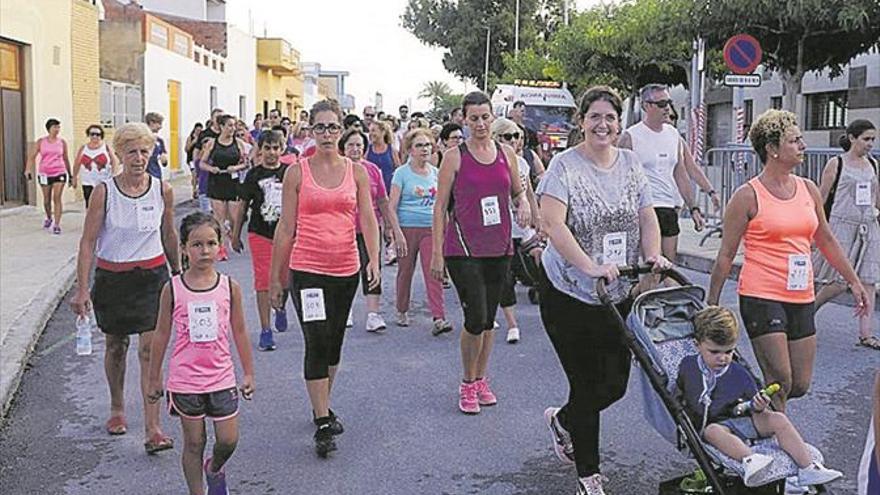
x=205, y=310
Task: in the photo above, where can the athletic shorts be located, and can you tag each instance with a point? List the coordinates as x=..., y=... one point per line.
x=219, y=405
x=742, y=427
x=668, y=218
x=479, y=282
x=763, y=316
x=53, y=180
x=365, y=259
x=261, y=259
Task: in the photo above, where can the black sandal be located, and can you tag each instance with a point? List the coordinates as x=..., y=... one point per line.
x=871, y=342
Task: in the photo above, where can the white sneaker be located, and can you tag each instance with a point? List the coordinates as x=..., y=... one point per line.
x=350, y=321
x=793, y=488
x=375, y=322
x=817, y=474
x=495, y=325
x=755, y=465
x=591, y=485
x=512, y=335
x=402, y=319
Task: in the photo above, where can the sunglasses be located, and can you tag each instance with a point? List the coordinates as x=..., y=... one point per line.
x=369, y=115
x=95, y=134
x=421, y=146
x=507, y=136
x=660, y=103
x=322, y=128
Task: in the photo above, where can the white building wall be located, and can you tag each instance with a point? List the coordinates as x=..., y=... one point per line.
x=191, y=9
x=241, y=72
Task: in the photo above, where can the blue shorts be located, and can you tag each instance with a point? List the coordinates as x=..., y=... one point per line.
x=742, y=427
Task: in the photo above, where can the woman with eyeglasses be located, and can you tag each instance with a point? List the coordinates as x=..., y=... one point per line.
x=52, y=172
x=315, y=239
x=505, y=131
x=471, y=233
x=95, y=161
x=352, y=146
x=413, y=191
x=224, y=159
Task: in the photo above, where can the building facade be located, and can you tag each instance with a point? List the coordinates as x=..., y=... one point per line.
x=279, y=78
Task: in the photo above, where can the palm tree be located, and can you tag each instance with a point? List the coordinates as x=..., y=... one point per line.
x=436, y=91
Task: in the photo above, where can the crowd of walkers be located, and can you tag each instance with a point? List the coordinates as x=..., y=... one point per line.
x=328, y=199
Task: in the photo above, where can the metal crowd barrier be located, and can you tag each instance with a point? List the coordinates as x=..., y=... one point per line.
x=731, y=166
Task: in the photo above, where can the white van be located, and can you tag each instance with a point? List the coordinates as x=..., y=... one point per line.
x=550, y=109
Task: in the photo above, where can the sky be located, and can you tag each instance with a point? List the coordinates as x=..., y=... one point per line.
x=363, y=37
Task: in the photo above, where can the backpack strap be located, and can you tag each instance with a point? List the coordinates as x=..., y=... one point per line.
x=829, y=202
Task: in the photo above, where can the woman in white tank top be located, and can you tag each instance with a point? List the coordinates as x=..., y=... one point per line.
x=130, y=227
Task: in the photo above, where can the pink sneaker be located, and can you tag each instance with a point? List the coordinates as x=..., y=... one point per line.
x=484, y=395
x=467, y=398
x=47, y=223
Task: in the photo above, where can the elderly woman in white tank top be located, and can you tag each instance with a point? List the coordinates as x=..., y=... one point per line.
x=129, y=227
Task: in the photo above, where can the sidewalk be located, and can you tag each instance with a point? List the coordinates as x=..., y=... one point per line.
x=36, y=271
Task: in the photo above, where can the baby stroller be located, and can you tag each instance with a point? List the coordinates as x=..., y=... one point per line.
x=659, y=332
x=524, y=266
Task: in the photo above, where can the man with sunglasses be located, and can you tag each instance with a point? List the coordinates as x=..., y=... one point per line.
x=369, y=116
x=661, y=150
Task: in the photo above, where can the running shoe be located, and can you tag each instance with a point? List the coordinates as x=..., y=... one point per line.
x=336, y=427
x=446, y=283
x=375, y=322
x=441, y=326
x=267, y=341
x=562, y=445
x=222, y=255
x=467, y=398
x=324, y=443
x=484, y=394
x=512, y=335
x=216, y=481
x=281, y=320
x=402, y=319
x=390, y=255
x=793, y=488
x=590, y=485
x=817, y=474
x=754, y=466
x=47, y=223
x=56, y=230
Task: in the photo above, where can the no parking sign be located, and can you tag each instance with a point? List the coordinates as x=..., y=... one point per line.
x=742, y=53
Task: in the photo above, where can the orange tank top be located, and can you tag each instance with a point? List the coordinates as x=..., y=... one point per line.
x=777, y=241
x=325, y=231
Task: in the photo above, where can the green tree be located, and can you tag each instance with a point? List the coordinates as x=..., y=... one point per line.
x=797, y=36
x=443, y=100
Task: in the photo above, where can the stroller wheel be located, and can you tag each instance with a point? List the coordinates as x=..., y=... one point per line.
x=533, y=296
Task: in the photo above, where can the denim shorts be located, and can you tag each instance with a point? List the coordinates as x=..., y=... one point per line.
x=743, y=427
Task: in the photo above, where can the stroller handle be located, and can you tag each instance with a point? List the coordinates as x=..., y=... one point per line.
x=633, y=271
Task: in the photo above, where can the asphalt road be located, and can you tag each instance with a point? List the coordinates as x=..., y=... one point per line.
x=397, y=395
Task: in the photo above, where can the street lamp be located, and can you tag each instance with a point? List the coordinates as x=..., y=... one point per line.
x=486, y=69
x=516, y=33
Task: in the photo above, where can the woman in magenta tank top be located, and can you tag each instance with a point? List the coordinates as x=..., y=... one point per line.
x=319, y=199
x=52, y=171
x=477, y=183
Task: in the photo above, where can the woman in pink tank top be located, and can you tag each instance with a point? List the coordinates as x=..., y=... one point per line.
x=205, y=310
x=477, y=183
x=779, y=216
x=52, y=171
x=315, y=240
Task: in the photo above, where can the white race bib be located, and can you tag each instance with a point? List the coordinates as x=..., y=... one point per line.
x=234, y=175
x=273, y=194
x=148, y=217
x=43, y=179
x=863, y=193
x=313, y=305
x=614, y=248
x=491, y=211
x=798, y=272
x=202, y=321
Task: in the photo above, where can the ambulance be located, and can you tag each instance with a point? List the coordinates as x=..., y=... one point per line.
x=550, y=110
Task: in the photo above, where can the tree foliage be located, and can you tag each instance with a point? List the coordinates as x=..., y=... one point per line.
x=442, y=99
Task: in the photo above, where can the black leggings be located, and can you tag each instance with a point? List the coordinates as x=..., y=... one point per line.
x=323, y=339
x=596, y=362
x=365, y=260
x=478, y=282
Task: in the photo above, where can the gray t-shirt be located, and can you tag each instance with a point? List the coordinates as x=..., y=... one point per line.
x=602, y=215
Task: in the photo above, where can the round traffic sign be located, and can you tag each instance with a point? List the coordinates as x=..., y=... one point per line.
x=742, y=53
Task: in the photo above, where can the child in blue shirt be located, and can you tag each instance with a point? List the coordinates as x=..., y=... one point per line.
x=711, y=385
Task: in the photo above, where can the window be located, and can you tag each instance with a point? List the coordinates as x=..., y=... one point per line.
x=265, y=108
x=222, y=67
x=206, y=60
x=197, y=57
x=242, y=106
x=776, y=102
x=159, y=34
x=826, y=110
x=213, y=97
x=120, y=103
x=214, y=64
x=181, y=44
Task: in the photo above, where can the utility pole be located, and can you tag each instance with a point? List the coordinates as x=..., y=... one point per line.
x=516, y=33
x=486, y=70
x=565, y=12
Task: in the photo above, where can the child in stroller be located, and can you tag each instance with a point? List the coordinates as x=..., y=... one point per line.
x=712, y=385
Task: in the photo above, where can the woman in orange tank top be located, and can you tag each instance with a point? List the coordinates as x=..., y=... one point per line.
x=779, y=216
x=315, y=240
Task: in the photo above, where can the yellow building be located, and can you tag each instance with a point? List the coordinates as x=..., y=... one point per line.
x=279, y=78
x=48, y=69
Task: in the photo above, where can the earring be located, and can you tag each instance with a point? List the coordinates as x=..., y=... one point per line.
x=775, y=155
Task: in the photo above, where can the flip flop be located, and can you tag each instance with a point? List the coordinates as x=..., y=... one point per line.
x=871, y=342
x=158, y=443
x=116, y=425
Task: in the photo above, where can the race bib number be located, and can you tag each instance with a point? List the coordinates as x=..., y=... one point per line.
x=148, y=217
x=234, y=175
x=614, y=248
x=863, y=193
x=798, y=272
x=202, y=321
x=43, y=179
x=491, y=211
x=313, y=305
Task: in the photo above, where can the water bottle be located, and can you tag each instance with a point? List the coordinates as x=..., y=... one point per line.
x=83, y=336
x=744, y=408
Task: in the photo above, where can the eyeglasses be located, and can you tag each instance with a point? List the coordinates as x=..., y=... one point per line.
x=455, y=138
x=660, y=103
x=370, y=115
x=322, y=128
x=421, y=146
x=508, y=136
